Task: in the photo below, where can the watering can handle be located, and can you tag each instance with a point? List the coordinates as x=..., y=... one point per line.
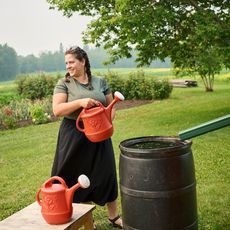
x=55, y=178
x=77, y=123
x=47, y=183
x=38, y=198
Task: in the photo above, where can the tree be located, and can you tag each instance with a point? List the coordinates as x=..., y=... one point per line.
x=8, y=63
x=28, y=64
x=181, y=30
x=59, y=58
x=98, y=57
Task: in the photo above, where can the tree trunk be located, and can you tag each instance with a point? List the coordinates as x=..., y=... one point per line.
x=208, y=82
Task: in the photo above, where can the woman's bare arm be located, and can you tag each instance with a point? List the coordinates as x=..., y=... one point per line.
x=61, y=107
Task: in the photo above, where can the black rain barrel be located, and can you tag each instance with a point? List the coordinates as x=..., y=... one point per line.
x=157, y=184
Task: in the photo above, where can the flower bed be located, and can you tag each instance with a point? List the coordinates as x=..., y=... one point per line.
x=25, y=111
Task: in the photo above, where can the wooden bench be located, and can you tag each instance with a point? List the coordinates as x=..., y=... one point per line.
x=30, y=218
x=183, y=83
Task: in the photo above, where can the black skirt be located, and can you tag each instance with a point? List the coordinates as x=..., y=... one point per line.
x=76, y=155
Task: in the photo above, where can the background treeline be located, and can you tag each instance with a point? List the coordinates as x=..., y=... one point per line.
x=12, y=64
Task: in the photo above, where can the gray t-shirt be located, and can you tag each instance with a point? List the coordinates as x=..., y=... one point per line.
x=76, y=90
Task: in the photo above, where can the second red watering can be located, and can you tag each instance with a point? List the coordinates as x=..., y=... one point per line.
x=56, y=199
x=97, y=121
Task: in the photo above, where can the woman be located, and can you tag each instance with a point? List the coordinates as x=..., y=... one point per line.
x=75, y=154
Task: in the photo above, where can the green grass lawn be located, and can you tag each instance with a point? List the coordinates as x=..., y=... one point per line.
x=8, y=88
x=26, y=154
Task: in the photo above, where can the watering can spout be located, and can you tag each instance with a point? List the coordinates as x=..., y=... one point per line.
x=83, y=182
x=117, y=97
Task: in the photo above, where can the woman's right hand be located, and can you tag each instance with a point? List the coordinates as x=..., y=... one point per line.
x=62, y=108
x=88, y=103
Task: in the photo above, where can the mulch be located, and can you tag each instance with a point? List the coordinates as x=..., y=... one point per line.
x=126, y=104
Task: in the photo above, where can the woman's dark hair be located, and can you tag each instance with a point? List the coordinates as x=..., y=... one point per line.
x=80, y=54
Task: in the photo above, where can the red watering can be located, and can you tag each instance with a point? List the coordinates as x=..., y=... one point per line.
x=97, y=120
x=56, y=203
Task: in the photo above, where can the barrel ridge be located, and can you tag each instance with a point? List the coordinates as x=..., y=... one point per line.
x=158, y=194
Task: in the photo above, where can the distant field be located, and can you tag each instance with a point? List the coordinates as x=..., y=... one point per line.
x=148, y=71
x=7, y=88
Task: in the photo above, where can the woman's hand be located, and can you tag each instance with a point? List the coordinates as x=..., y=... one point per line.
x=88, y=103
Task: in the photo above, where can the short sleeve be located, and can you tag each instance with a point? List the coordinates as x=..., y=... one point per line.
x=60, y=87
x=105, y=87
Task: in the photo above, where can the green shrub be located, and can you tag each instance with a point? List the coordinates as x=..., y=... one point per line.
x=38, y=115
x=138, y=86
x=20, y=80
x=116, y=83
x=36, y=87
x=41, y=111
x=161, y=89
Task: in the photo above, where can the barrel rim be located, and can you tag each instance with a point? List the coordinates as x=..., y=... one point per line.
x=125, y=144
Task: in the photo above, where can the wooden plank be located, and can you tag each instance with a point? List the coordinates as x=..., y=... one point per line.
x=31, y=218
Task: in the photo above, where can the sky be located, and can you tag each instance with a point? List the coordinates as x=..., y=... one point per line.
x=30, y=27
